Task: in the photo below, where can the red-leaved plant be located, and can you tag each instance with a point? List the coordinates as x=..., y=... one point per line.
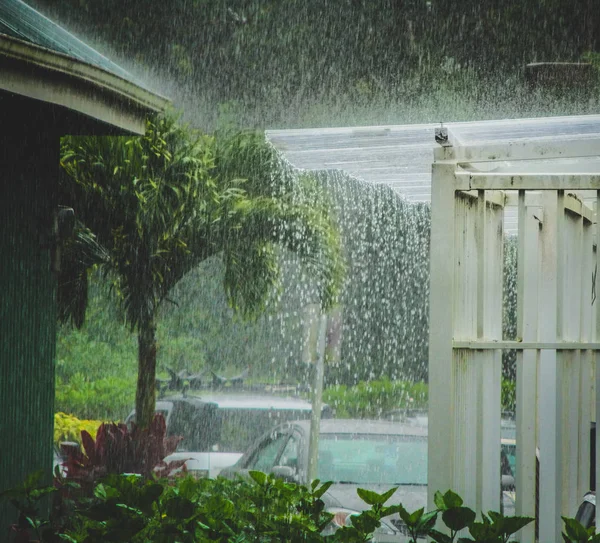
x=117, y=449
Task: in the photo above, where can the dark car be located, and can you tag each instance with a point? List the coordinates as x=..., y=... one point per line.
x=375, y=455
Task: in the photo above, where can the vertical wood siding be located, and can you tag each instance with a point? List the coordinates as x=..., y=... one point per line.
x=27, y=311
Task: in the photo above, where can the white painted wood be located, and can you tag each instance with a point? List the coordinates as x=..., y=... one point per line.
x=467, y=372
x=549, y=386
x=480, y=228
x=559, y=333
x=527, y=345
x=527, y=365
x=477, y=374
x=526, y=181
x=586, y=373
x=401, y=156
x=441, y=406
x=491, y=367
x=597, y=354
x=539, y=148
x=569, y=361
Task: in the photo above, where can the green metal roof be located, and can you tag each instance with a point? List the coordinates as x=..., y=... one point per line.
x=18, y=20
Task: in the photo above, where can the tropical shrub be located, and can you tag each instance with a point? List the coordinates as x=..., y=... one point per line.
x=371, y=399
x=69, y=428
x=117, y=449
x=108, y=398
x=134, y=509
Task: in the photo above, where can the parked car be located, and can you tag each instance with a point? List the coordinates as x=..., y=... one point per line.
x=419, y=417
x=218, y=427
x=375, y=455
x=354, y=453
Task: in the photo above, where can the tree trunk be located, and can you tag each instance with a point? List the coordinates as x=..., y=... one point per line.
x=145, y=396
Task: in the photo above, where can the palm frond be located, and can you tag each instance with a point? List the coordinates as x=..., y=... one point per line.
x=78, y=255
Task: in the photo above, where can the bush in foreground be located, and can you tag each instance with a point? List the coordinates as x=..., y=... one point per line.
x=262, y=508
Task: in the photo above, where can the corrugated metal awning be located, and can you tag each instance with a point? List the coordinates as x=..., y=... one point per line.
x=18, y=20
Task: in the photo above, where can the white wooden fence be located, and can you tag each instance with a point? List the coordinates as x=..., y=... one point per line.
x=554, y=186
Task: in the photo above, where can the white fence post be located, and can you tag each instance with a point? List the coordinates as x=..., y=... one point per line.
x=441, y=409
x=549, y=391
x=527, y=363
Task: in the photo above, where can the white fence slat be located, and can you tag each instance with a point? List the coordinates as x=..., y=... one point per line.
x=467, y=365
x=549, y=386
x=586, y=358
x=441, y=407
x=597, y=354
x=527, y=365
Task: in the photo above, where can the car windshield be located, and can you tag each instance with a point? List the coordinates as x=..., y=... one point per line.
x=373, y=459
x=240, y=427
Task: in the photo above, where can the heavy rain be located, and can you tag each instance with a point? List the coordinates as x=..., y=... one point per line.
x=236, y=244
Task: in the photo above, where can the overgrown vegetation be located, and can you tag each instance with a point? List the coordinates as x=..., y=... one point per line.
x=159, y=205
x=307, y=63
x=373, y=399
x=69, y=428
x=130, y=508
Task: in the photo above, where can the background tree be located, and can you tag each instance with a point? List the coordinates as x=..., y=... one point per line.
x=161, y=204
x=269, y=62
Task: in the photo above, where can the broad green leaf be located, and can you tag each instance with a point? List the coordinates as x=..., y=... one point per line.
x=369, y=496
x=439, y=537
x=575, y=531
x=258, y=477
x=512, y=525
x=458, y=518
x=179, y=508
x=452, y=499
x=322, y=489
x=387, y=495
x=438, y=499
x=427, y=522
x=404, y=514
x=415, y=516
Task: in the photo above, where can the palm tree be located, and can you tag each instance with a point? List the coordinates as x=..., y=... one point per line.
x=161, y=204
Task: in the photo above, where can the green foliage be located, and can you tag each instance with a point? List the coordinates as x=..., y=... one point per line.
x=68, y=428
x=372, y=399
x=493, y=527
x=27, y=498
x=148, y=200
x=576, y=533
x=107, y=398
x=263, y=508
x=274, y=63
x=119, y=449
x=133, y=509
x=508, y=395
x=163, y=203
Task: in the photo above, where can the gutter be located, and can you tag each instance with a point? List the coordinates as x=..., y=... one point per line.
x=40, y=73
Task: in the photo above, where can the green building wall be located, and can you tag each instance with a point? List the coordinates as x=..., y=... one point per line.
x=28, y=173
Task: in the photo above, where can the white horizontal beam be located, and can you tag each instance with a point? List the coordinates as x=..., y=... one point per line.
x=526, y=345
x=526, y=181
x=572, y=203
x=535, y=148
x=495, y=197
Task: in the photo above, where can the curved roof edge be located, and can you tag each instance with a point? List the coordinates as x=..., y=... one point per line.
x=33, y=71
